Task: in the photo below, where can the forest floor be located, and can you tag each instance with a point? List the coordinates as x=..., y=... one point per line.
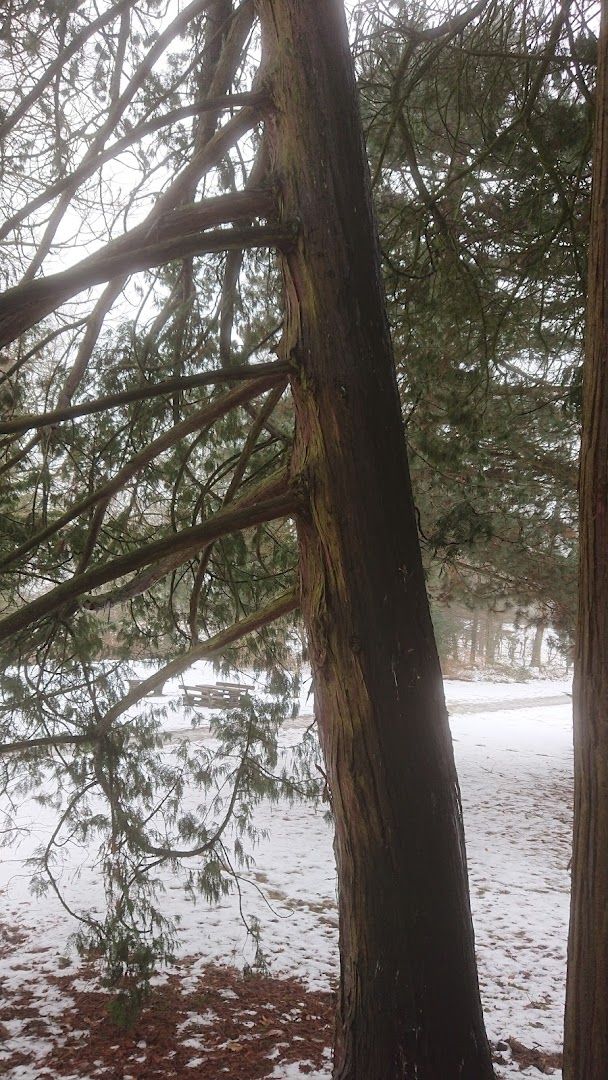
x=210, y=1016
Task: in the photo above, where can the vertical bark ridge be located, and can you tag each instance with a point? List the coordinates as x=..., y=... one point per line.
x=586, y=1026
x=409, y=1001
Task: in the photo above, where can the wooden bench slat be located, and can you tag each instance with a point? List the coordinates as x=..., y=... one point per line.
x=215, y=697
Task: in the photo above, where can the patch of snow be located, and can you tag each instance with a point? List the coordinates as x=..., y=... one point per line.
x=293, y=1071
x=200, y=1019
x=513, y=745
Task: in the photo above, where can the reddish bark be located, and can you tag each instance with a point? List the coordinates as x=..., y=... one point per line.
x=586, y=1030
x=409, y=1003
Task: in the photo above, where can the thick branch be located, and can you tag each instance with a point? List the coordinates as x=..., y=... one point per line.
x=207, y=415
x=180, y=235
x=44, y=742
x=274, y=485
x=187, y=221
x=185, y=543
x=141, y=393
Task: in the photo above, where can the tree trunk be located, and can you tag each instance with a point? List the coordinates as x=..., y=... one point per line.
x=586, y=1029
x=537, y=646
x=489, y=651
x=409, y=1001
x=474, y=635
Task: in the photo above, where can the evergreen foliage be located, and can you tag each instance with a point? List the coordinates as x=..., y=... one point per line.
x=480, y=140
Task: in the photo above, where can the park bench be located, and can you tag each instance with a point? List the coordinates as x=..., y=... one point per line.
x=222, y=695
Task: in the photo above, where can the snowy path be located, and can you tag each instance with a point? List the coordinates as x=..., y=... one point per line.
x=516, y=778
x=513, y=753
x=460, y=708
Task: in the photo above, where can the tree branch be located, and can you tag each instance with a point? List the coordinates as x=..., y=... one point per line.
x=208, y=414
x=274, y=485
x=178, y=234
x=206, y=650
x=45, y=742
x=184, y=544
x=254, y=99
x=93, y=329
x=59, y=62
x=265, y=412
x=450, y=28
x=141, y=393
x=214, y=646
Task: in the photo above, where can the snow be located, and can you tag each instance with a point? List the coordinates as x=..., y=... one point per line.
x=294, y=1072
x=514, y=758
x=516, y=778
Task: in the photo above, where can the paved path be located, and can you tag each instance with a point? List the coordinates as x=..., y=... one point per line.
x=460, y=707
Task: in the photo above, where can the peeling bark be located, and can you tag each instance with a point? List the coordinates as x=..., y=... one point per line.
x=409, y=1002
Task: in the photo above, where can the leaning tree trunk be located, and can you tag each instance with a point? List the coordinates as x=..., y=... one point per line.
x=586, y=1030
x=409, y=1002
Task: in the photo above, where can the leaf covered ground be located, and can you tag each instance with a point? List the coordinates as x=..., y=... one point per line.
x=208, y=1017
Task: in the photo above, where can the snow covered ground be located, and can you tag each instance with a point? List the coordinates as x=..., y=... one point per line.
x=513, y=751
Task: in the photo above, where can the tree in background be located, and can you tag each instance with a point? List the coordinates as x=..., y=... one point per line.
x=479, y=132
x=153, y=483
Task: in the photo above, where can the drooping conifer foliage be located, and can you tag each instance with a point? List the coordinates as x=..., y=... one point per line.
x=145, y=440
x=479, y=132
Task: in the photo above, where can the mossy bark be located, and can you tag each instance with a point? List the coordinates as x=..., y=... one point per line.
x=409, y=1002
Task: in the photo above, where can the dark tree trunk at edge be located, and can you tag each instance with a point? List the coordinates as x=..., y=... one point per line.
x=409, y=1003
x=586, y=1030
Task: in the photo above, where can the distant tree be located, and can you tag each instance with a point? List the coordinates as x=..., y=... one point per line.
x=127, y=479
x=479, y=131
